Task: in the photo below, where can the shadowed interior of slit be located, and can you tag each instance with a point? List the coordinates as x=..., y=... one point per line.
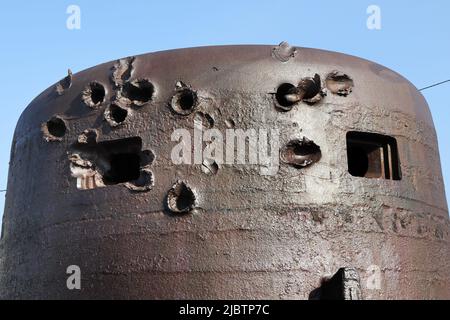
x=373, y=156
x=108, y=163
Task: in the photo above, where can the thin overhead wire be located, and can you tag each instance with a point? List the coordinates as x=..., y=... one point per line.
x=435, y=85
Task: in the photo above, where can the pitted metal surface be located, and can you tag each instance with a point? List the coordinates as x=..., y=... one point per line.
x=211, y=230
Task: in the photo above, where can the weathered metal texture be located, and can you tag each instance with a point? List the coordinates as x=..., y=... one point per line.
x=240, y=234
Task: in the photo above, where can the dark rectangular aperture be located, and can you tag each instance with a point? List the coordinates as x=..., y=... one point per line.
x=99, y=164
x=124, y=167
x=123, y=157
x=372, y=155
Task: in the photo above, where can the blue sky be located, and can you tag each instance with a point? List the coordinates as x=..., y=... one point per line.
x=37, y=48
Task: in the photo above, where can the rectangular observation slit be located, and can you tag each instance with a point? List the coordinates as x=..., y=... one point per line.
x=372, y=155
x=100, y=164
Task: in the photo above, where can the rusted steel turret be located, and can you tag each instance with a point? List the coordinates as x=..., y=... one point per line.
x=339, y=195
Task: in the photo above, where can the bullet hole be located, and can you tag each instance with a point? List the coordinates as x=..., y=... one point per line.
x=65, y=83
x=88, y=136
x=308, y=90
x=113, y=162
x=339, y=83
x=94, y=94
x=373, y=156
x=145, y=182
x=300, y=153
x=184, y=101
x=283, y=96
x=138, y=91
x=122, y=71
x=210, y=167
x=181, y=198
x=115, y=114
x=147, y=158
x=230, y=123
x=311, y=88
x=54, y=129
x=118, y=114
x=203, y=120
x=284, y=52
